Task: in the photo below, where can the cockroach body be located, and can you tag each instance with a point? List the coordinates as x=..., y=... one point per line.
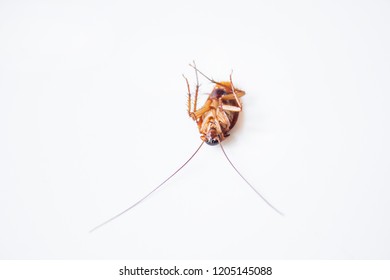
x=215, y=119
x=220, y=112
x=221, y=115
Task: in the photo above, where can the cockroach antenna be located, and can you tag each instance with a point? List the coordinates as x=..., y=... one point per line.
x=249, y=184
x=146, y=196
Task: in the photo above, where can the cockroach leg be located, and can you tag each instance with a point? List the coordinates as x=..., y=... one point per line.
x=188, y=97
x=201, y=111
x=196, y=88
x=231, y=108
x=239, y=94
x=234, y=91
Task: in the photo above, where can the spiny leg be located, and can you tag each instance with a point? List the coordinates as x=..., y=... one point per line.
x=188, y=97
x=196, y=88
x=234, y=92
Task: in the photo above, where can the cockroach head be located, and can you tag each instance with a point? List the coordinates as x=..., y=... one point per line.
x=211, y=137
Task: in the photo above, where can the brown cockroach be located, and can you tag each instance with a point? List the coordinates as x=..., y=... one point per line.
x=220, y=112
x=215, y=119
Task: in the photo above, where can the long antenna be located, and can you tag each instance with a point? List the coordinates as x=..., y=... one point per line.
x=142, y=199
x=249, y=184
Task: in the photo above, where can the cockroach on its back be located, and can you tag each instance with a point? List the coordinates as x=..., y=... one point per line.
x=220, y=112
x=215, y=119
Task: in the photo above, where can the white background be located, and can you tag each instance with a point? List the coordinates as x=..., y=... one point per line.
x=93, y=116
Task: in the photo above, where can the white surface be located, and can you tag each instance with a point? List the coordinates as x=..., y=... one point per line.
x=93, y=116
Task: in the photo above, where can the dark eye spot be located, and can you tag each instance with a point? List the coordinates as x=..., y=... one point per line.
x=212, y=142
x=218, y=92
x=221, y=92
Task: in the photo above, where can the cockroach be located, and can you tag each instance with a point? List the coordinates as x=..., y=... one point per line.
x=215, y=119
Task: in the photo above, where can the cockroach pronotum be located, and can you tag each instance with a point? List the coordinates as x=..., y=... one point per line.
x=215, y=119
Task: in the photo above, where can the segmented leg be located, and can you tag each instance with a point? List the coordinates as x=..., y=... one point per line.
x=231, y=108
x=188, y=97
x=196, y=88
x=206, y=107
x=234, y=92
x=231, y=96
